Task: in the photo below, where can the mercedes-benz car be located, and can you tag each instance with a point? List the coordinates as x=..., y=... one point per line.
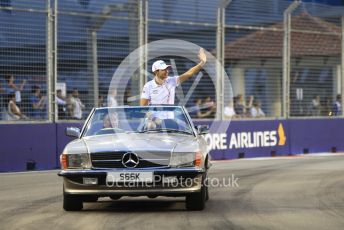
x=136, y=151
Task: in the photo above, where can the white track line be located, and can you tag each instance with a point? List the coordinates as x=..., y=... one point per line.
x=296, y=156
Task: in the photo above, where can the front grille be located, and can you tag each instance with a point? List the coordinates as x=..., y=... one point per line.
x=107, y=156
x=146, y=159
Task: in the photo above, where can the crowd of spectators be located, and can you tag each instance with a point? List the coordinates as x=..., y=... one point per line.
x=236, y=108
x=239, y=108
x=11, y=99
x=203, y=108
x=20, y=101
x=70, y=107
x=325, y=107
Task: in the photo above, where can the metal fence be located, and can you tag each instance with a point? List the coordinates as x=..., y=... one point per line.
x=58, y=58
x=315, y=61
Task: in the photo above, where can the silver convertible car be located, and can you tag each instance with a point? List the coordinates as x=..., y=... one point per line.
x=136, y=151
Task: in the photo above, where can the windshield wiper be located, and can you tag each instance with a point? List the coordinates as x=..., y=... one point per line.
x=166, y=130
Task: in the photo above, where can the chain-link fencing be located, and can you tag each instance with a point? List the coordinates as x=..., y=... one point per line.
x=58, y=58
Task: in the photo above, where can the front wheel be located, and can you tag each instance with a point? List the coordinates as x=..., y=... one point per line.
x=72, y=202
x=207, y=194
x=196, y=201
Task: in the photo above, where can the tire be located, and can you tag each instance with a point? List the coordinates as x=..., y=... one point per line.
x=196, y=201
x=72, y=202
x=207, y=194
x=206, y=182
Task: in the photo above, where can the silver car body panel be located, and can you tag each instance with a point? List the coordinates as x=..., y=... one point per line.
x=144, y=145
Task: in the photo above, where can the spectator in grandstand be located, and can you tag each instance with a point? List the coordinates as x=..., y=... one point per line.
x=161, y=90
x=249, y=106
x=239, y=106
x=327, y=108
x=12, y=112
x=37, y=103
x=69, y=105
x=111, y=98
x=76, y=105
x=101, y=101
x=229, y=111
x=196, y=110
x=11, y=87
x=241, y=109
x=209, y=108
x=256, y=110
x=315, y=106
x=61, y=105
x=337, y=106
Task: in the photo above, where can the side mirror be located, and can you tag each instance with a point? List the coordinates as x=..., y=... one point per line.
x=73, y=132
x=202, y=129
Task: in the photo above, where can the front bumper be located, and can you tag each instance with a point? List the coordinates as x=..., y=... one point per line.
x=189, y=181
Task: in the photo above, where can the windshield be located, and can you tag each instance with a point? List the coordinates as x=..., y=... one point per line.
x=138, y=120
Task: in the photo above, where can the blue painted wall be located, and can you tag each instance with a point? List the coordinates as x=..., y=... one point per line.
x=316, y=135
x=22, y=143
x=43, y=143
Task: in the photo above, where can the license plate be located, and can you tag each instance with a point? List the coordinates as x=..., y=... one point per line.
x=129, y=177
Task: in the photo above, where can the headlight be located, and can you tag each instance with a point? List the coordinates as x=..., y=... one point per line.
x=74, y=161
x=186, y=159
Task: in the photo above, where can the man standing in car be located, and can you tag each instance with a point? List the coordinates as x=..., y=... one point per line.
x=161, y=90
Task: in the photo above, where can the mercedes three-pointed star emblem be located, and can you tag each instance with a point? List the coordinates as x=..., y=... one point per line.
x=130, y=160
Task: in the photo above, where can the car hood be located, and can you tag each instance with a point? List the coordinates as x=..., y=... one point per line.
x=165, y=142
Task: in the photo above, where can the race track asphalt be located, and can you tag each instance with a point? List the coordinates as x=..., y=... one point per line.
x=288, y=193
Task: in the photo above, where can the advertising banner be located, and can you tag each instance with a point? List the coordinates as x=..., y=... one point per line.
x=249, y=139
